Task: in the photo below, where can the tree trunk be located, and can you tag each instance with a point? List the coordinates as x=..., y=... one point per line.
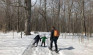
x=84, y=18
x=45, y=16
x=27, y=21
x=18, y=17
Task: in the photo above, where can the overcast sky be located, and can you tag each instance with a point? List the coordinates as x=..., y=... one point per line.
x=33, y=0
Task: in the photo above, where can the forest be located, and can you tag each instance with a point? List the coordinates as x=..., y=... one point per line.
x=46, y=27
x=70, y=16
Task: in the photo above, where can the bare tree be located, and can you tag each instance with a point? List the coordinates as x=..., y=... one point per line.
x=28, y=19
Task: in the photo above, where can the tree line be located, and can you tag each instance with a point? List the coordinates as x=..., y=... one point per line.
x=71, y=16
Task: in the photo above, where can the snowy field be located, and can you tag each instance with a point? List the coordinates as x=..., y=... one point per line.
x=12, y=44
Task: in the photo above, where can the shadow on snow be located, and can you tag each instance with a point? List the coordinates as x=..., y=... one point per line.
x=69, y=48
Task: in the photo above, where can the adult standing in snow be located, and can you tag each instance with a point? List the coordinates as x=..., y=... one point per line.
x=54, y=38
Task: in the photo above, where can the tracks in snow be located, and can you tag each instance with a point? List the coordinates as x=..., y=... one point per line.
x=40, y=51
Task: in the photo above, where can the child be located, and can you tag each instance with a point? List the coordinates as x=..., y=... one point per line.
x=37, y=38
x=43, y=40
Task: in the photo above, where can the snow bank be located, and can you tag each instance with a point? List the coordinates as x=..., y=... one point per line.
x=12, y=44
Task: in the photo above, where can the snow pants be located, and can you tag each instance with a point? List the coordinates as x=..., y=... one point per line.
x=43, y=43
x=55, y=42
x=36, y=42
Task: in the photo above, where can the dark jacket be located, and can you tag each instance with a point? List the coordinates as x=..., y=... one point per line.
x=52, y=36
x=37, y=38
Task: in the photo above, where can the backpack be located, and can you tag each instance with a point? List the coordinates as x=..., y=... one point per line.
x=56, y=33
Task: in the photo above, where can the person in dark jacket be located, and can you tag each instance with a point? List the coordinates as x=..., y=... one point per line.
x=37, y=38
x=53, y=39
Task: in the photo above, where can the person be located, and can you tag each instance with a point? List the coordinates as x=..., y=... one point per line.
x=43, y=40
x=54, y=38
x=36, y=40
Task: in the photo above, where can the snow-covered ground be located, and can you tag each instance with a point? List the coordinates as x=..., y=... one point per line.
x=12, y=44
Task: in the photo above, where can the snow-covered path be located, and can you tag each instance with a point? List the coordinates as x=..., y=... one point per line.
x=10, y=45
x=39, y=51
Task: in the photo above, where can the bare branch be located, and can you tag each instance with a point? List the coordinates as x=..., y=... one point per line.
x=34, y=4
